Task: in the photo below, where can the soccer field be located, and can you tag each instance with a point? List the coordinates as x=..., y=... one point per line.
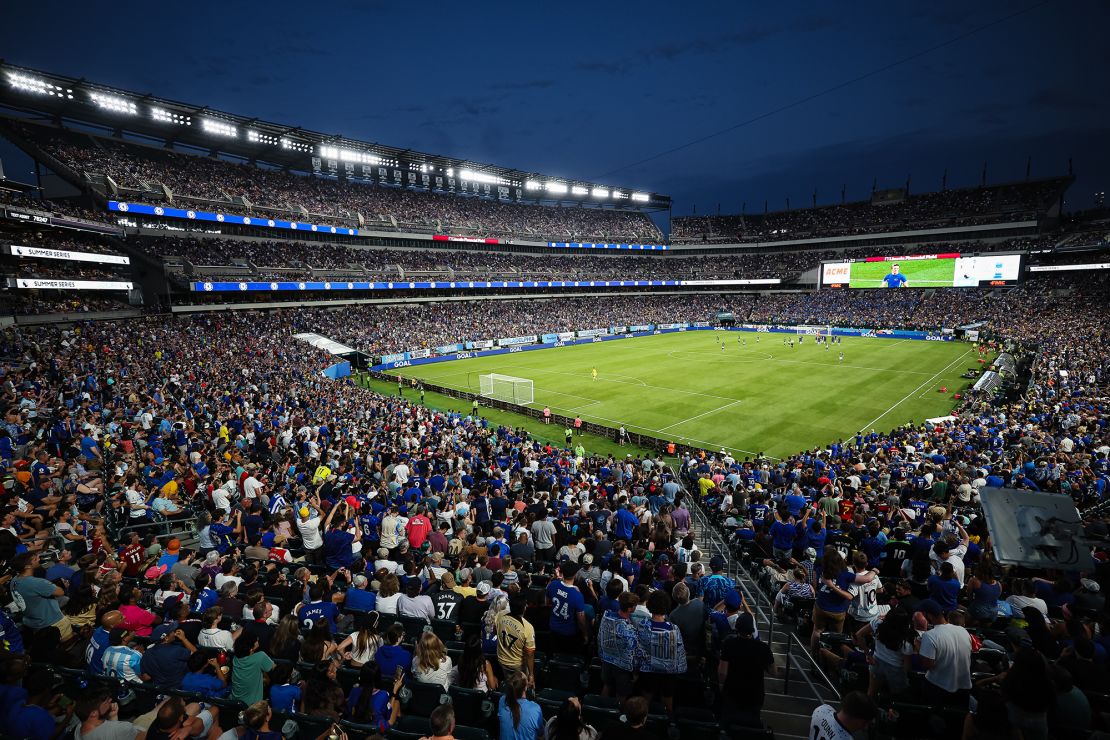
x=750, y=397
x=920, y=273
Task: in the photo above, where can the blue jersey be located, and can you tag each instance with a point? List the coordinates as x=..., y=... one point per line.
x=221, y=536
x=783, y=534
x=895, y=280
x=94, y=653
x=369, y=525
x=312, y=613
x=208, y=597
x=566, y=603
x=11, y=639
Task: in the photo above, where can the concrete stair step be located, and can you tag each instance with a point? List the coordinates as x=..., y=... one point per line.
x=789, y=704
x=777, y=686
x=784, y=723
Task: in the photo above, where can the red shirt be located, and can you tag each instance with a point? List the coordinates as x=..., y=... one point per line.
x=417, y=530
x=847, y=508
x=132, y=556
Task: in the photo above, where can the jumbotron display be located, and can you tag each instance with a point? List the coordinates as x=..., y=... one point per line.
x=923, y=271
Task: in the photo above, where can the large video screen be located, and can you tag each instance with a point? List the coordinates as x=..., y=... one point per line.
x=923, y=271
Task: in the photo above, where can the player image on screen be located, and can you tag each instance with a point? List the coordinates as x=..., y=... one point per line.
x=895, y=279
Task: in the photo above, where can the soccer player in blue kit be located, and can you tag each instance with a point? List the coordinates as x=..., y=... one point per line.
x=895, y=279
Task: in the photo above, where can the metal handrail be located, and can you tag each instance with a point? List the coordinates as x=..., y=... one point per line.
x=757, y=602
x=807, y=654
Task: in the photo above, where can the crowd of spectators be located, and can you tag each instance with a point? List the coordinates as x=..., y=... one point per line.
x=140, y=170
x=399, y=518
x=305, y=260
x=357, y=556
x=963, y=207
x=386, y=329
x=878, y=540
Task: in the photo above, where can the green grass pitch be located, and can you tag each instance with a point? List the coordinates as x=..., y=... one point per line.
x=749, y=397
x=920, y=273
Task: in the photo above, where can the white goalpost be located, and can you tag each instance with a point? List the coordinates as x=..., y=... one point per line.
x=506, y=388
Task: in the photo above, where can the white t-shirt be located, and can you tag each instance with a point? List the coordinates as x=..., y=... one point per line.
x=443, y=675
x=221, y=500
x=1020, y=602
x=216, y=638
x=949, y=647
x=956, y=557
x=252, y=487
x=310, y=533
x=366, y=655
x=388, y=565
x=222, y=578
x=387, y=604
x=865, y=600
x=823, y=725
x=136, y=500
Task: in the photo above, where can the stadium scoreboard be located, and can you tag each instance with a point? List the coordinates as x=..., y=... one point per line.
x=950, y=270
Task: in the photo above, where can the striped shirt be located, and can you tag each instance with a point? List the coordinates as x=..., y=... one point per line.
x=277, y=504
x=122, y=662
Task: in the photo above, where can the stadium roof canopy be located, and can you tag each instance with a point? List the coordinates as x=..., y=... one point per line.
x=147, y=115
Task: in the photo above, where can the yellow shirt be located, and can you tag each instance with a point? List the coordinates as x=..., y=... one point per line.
x=466, y=591
x=706, y=485
x=513, y=636
x=321, y=473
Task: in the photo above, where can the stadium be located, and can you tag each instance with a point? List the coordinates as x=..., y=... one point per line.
x=313, y=436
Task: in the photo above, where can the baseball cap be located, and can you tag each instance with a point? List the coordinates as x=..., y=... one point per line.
x=352, y=502
x=811, y=553
x=305, y=512
x=155, y=571
x=717, y=563
x=484, y=588
x=173, y=546
x=733, y=600
x=745, y=625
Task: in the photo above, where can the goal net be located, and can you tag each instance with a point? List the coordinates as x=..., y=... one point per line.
x=506, y=388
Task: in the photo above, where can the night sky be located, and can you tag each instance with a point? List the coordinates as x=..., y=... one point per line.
x=587, y=90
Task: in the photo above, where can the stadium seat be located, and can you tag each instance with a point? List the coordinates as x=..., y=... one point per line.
x=425, y=698
x=229, y=710
x=600, y=710
x=472, y=707
x=395, y=734
x=347, y=677
x=470, y=733
x=414, y=626
x=353, y=729
x=564, y=673
x=446, y=631
x=698, y=729
x=550, y=700
x=308, y=725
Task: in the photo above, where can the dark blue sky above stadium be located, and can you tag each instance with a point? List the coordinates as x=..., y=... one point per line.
x=585, y=90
